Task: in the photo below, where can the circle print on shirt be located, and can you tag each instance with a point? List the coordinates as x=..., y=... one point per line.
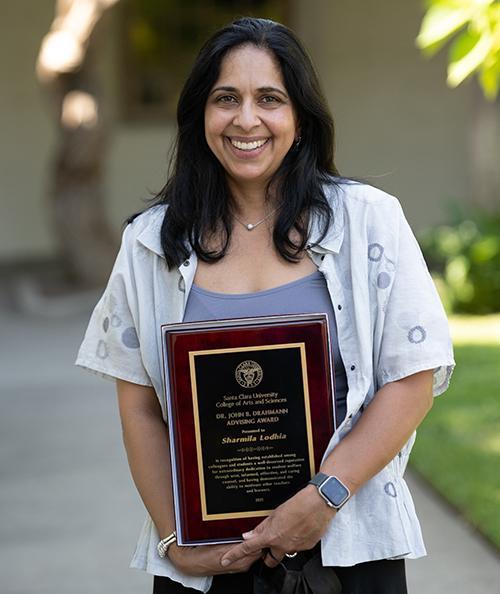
x=249, y=374
x=417, y=334
x=375, y=252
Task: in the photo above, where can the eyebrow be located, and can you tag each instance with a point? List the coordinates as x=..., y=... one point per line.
x=260, y=89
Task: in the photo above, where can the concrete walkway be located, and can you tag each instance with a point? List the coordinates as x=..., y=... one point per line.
x=70, y=514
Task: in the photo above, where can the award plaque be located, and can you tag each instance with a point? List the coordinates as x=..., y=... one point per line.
x=250, y=407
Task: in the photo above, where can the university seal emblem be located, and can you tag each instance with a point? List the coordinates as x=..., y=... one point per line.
x=249, y=374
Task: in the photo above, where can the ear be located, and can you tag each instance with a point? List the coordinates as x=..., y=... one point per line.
x=298, y=132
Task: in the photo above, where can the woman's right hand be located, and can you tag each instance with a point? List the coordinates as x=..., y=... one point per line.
x=205, y=560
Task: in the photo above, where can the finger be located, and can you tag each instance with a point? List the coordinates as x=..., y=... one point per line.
x=244, y=565
x=247, y=548
x=273, y=557
x=258, y=530
x=241, y=566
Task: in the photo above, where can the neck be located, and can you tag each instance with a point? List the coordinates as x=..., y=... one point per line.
x=250, y=201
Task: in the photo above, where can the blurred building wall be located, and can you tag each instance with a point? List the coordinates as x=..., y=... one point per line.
x=397, y=124
x=25, y=131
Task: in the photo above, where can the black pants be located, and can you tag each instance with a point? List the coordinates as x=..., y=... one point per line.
x=374, y=577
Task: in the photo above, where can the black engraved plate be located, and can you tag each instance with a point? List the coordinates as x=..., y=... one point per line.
x=252, y=426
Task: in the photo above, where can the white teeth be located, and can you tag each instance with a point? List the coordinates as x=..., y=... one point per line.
x=248, y=146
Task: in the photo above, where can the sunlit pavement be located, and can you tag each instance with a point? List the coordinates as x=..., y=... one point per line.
x=70, y=514
x=458, y=561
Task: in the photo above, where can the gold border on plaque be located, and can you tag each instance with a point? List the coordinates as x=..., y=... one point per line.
x=199, y=452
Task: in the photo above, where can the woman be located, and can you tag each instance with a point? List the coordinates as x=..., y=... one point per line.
x=259, y=222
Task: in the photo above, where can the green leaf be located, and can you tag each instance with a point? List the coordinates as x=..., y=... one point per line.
x=489, y=79
x=486, y=249
x=449, y=242
x=467, y=54
x=438, y=24
x=454, y=3
x=457, y=270
x=462, y=45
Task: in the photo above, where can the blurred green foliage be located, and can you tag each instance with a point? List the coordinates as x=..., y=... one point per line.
x=458, y=444
x=474, y=26
x=464, y=259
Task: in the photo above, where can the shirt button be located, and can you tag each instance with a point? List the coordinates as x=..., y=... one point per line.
x=186, y=263
x=353, y=367
x=339, y=307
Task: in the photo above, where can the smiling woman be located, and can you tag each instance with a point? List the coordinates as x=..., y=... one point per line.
x=255, y=220
x=252, y=82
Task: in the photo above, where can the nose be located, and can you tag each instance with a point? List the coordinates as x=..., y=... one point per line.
x=246, y=117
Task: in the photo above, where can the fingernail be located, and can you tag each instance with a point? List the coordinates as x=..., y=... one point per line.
x=225, y=562
x=247, y=534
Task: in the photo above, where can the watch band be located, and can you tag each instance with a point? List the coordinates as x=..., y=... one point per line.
x=162, y=546
x=331, y=489
x=318, y=479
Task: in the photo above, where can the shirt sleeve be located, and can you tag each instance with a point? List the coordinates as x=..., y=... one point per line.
x=111, y=346
x=415, y=333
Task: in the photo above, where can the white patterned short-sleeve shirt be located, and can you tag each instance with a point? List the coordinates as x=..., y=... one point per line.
x=390, y=324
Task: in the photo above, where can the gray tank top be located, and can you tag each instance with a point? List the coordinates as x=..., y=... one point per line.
x=305, y=295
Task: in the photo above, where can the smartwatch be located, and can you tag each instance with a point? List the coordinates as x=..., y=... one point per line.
x=332, y=489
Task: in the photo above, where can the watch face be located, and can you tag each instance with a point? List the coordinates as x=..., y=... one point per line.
x=334, y=491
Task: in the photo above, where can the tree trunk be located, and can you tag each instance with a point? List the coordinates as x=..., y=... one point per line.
x=77, y=193
x=67, y=69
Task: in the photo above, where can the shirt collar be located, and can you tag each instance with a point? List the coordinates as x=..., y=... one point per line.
x=332, y=241
x=150, y=236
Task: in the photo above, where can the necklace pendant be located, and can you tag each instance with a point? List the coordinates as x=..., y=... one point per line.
x=250, y=226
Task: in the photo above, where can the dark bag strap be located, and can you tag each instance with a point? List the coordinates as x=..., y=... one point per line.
x=312, y=578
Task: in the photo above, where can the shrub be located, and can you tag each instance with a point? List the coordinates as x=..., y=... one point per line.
x=464, y=259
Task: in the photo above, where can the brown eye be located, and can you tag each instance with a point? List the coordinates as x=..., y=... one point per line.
x=270, y=99
x=226, y=99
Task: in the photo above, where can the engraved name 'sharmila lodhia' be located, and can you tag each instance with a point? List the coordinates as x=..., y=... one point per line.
x=253, y=438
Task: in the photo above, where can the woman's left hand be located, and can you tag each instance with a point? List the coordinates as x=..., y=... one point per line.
x=296, y=525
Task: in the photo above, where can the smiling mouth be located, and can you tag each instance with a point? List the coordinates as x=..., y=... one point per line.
x=248, y=146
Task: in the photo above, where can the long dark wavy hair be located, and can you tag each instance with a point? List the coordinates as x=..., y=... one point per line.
x=197, y=194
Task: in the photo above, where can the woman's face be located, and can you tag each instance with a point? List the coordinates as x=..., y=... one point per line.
x=250, y=122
